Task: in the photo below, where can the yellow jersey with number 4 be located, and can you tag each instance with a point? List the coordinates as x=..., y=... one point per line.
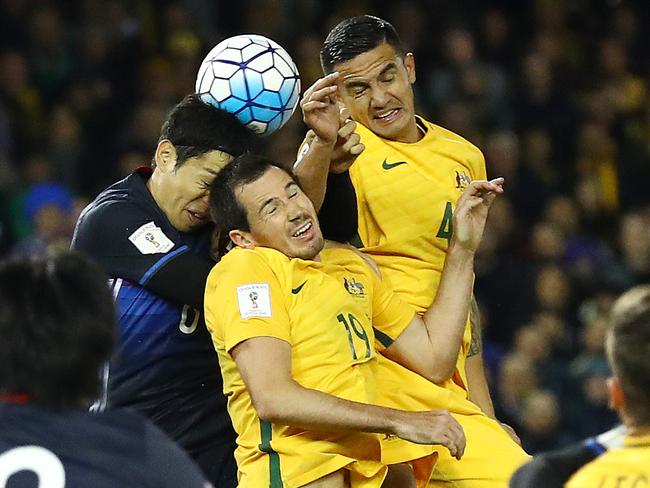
x=406, y=194
x=325, y=311
x=622, y=467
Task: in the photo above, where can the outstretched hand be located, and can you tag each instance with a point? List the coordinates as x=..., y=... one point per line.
x=472, y=210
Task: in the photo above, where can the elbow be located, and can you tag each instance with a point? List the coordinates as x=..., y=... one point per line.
x=441, y=370
x=267, y=408
x=273, y=404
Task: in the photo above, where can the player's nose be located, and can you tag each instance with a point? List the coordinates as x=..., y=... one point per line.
x=378, y=97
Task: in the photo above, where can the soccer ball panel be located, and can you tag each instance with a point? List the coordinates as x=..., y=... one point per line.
x=255, y=83
x=233, y=105
x=238, y=85
x=261, y=63
x=259, y=127
x=230, y=54
x=220, y=89
x=287, y=90
x=269, y=99
x=223, y=70
x=273, y=80
x=238, y=42
x=251, y=51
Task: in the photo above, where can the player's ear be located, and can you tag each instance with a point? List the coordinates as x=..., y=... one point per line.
x=616, y=396
x=241, y=238
x=409, y=64
x=165, y=156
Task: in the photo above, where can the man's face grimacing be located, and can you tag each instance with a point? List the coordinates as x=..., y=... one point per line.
x=280, y=216
x=183, y=191
x=376, y=87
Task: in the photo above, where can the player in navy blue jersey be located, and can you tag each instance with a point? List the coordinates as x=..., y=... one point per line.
x=151, y=234
x=57, y=321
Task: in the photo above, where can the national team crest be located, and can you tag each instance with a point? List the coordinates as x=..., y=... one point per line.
x=462, y=180
x=353, y=287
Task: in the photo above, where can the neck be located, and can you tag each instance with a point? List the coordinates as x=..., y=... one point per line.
x=153, y=186
x=415, y=133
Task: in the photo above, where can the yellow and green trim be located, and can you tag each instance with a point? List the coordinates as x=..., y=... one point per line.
x=266, y=434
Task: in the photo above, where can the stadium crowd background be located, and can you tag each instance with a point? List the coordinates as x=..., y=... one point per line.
x=554, y=92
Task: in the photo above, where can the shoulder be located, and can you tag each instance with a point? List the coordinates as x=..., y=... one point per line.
x=119, y=203
x=240, y=263
x=351, y=253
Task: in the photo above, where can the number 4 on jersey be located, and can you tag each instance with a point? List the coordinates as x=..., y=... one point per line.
x=446, y=228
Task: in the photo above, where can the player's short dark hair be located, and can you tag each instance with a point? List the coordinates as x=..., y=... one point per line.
x=227, y=211
x=57, y=323
x=628, y=348
x=195, y=128
x=355, y=36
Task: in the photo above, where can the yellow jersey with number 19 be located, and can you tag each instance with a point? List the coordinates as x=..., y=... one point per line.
x=622, y=467
x=406, y=194
x=325, y=311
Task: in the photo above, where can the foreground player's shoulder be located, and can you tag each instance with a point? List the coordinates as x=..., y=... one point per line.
x=163, y=462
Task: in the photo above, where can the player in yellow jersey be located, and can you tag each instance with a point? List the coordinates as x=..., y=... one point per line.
x=297, y=329
x=614, y=462
x=407, y=180
x=619, y=458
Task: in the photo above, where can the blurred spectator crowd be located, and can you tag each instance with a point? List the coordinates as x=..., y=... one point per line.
x=555, y=93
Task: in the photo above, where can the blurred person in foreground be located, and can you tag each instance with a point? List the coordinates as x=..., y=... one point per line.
x=152, y=234
x=57, y=320
x=318, y=354
x=620, y=457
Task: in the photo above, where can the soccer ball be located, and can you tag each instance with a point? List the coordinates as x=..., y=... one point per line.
x=252, y=77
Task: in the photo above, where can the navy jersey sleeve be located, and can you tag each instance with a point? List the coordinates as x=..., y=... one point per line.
x=553, y=469
x=127, y=242
x=338, y=215
x=171, y=465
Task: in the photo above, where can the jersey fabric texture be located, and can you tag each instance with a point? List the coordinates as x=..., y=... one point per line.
x=621, y=467
x=406, y=194
x=398, y=387
x=165, y=367
x=83, y=449
x=326, y=311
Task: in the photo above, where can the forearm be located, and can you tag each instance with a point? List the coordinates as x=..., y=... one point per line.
x=294, y=405
x=446, y=318
x=312, y=170
x=477, y=387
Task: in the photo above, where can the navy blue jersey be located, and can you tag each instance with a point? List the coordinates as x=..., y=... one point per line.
x=166, y=367
x=75, y=449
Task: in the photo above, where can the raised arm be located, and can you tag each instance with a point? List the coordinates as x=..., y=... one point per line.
x=265, y=366
x=431, y=343
x=331, y=144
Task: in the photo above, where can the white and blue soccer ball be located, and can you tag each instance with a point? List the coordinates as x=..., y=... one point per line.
x=252, y=77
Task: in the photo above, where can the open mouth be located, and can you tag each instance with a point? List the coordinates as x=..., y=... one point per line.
x=303, y=229
x=387, y=116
